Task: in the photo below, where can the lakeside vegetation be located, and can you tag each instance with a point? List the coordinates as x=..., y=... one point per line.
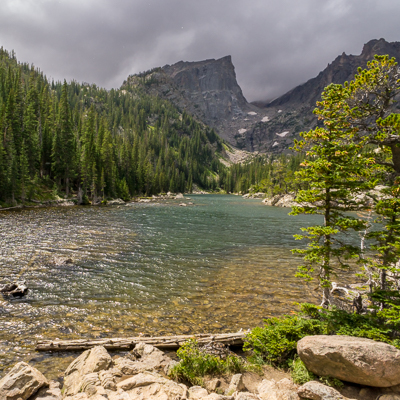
x=78, y=140
x=97, y=144
x=354, y=150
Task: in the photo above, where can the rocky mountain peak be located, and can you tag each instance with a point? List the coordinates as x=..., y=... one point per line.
x=208, y=90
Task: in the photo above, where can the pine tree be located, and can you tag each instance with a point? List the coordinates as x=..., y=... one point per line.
x=336, y=175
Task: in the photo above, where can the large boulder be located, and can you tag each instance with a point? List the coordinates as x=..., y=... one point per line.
x=94, y=360
x=21, y=382
x=352, y=359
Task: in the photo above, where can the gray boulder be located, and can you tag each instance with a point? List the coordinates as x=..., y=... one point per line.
x=21, y=382
x=352, y=359
x=236, y=385
x=317, y=391
x=90, y=361
x=115, y=202
x=145, y=358
x=197, y=393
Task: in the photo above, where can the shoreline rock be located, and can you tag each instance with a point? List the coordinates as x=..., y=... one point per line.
x=142, y=373
x=352, y=359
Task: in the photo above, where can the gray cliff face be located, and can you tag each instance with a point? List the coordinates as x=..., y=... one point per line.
x=342, y=69
x=293, y=112
x=209, y=91
x=212, y=85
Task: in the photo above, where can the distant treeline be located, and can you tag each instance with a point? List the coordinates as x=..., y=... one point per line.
x=83, y=140
x=273, y=174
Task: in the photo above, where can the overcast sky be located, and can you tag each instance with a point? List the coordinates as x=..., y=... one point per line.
x=275, y=44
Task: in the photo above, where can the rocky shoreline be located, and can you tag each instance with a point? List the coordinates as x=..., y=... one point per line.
x=288, y=199
x=114, y=202
x=372, y=368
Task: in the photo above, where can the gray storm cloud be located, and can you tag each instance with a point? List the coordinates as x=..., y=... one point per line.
x=274, y=45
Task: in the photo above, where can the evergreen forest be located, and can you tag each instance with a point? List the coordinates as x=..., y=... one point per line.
x=84, y=142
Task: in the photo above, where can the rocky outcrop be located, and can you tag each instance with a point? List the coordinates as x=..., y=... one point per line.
x=317, y=391
x=281, y=200
x=89, y=362
x=292, y=113
x=16, y=289
x=352, y=359
x=21, y=382
x=236, y=384
x=206, y=89
x=95, y=376
x=284, y=389
x=144, y=357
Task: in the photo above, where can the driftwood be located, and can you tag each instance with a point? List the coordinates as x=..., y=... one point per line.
x=161, y=342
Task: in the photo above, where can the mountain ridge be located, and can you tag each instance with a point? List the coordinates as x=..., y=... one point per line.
x=209, y=91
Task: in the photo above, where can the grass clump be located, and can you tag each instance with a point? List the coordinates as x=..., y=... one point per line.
x=301, y=375
x=195, y=363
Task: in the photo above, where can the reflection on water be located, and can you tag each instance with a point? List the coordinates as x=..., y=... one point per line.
x=217, y=266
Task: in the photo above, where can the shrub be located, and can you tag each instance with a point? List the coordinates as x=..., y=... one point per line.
x=276, y=342
x=195, y=363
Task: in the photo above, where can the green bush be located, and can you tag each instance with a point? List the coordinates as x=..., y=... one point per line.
x=276, y=342
x=195, y=363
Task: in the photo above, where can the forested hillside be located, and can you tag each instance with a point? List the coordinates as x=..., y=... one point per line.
x=81, y=139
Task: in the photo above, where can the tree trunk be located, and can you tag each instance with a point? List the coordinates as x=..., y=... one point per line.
x=162, y=342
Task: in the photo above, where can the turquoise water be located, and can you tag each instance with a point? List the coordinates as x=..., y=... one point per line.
x=221, y=264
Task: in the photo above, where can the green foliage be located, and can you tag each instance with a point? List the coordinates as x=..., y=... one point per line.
x=268, y=174
x=195, y=364
x=276, y=342
x=341, y=166
x=299, y=372
x=340, y=322
x=103, y=143
x=333, y=382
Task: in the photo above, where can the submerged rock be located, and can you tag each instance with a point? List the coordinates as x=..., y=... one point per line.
x=16, y=289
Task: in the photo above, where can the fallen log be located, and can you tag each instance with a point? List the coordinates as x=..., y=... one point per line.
x=161, y=342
